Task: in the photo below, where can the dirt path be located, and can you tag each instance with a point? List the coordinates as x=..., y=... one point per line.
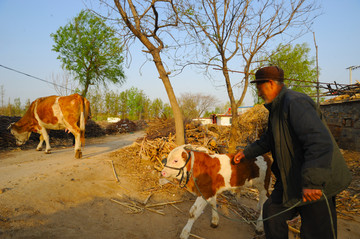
x=57, y=196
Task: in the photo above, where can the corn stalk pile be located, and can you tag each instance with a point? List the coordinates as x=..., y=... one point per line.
x=252, y=124
x=348, y=201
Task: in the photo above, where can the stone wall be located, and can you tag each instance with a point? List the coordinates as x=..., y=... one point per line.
x=343, y=119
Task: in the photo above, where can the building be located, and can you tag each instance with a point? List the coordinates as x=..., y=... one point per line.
x=222, y=119
x=343, y=119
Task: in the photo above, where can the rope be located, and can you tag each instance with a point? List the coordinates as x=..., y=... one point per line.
x=247, y=221
x=37, y=78
x=272, y=216
x=330, y=214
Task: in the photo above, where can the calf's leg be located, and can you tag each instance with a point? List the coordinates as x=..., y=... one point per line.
x=195, y=211
x=215, y=214
x=262, y=198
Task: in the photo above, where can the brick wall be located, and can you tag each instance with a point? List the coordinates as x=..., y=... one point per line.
x=343, y=119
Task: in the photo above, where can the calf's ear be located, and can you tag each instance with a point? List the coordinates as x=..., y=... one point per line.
x=184, y=155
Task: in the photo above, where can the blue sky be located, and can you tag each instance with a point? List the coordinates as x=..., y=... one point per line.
x=25, y=45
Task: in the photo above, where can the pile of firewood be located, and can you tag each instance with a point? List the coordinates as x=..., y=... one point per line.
x=160, y=134
x=122, y=126
x=159, y=128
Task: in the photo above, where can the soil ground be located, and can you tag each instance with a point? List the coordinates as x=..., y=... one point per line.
x=57, y=196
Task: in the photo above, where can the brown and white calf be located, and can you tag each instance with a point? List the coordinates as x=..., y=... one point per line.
x=213, y=174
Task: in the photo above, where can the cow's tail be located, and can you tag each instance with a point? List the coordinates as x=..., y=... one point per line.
x=82, y=122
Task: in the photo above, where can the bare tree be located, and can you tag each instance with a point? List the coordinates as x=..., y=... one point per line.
x=195, y=105
x=236, y=33
x=63, y=83
x=141, y=20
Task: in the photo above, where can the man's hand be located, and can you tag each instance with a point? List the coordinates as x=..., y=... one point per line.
x=311, y=194
x=238, y=157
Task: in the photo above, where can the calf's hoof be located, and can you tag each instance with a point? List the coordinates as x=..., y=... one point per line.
x=259, y=229
x=213, y=225
x=39, y=149
x=48, y=152
x=78, y=154
x=184, y=234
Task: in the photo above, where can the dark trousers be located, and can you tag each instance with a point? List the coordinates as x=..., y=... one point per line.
x=315, y=220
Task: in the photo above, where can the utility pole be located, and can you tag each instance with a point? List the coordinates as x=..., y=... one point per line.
x=317, y=73
x=350, y=70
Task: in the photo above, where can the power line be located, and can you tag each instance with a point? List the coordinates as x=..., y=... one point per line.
x=37, y=78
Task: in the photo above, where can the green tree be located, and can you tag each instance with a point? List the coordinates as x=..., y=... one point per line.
x=299, y=68
x=123, y=104
x=97, y=105
x=167, y=111
x=90, y=50
x=136, y=101
x=156, y=108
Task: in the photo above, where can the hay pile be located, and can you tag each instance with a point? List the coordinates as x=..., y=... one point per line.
x=348, y=201
x=252, y=124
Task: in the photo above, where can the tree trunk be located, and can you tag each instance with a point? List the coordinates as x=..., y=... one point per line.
x=234, y=136
x=86, y=88
x=179, y=122
x=235, y=119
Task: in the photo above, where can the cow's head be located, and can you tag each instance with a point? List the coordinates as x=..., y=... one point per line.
x=175, y=161
x=21, y=137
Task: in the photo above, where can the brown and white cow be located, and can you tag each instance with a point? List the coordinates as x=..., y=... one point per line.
x=56, y=113
x=213, y=174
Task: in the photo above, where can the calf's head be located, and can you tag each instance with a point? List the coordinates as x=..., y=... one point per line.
x=175, y=162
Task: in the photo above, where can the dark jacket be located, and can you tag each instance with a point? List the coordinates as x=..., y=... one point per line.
x=304, y=151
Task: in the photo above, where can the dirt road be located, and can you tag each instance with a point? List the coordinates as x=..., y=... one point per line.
x=57, y=196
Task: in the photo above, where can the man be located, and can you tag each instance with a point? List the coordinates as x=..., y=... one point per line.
x=307, y=161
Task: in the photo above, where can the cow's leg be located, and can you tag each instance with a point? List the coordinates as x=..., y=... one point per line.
x=78, y=153
x=39, y=147
x=75, y=130
x=195, y=211
x=45, y=136
x=215, y=214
